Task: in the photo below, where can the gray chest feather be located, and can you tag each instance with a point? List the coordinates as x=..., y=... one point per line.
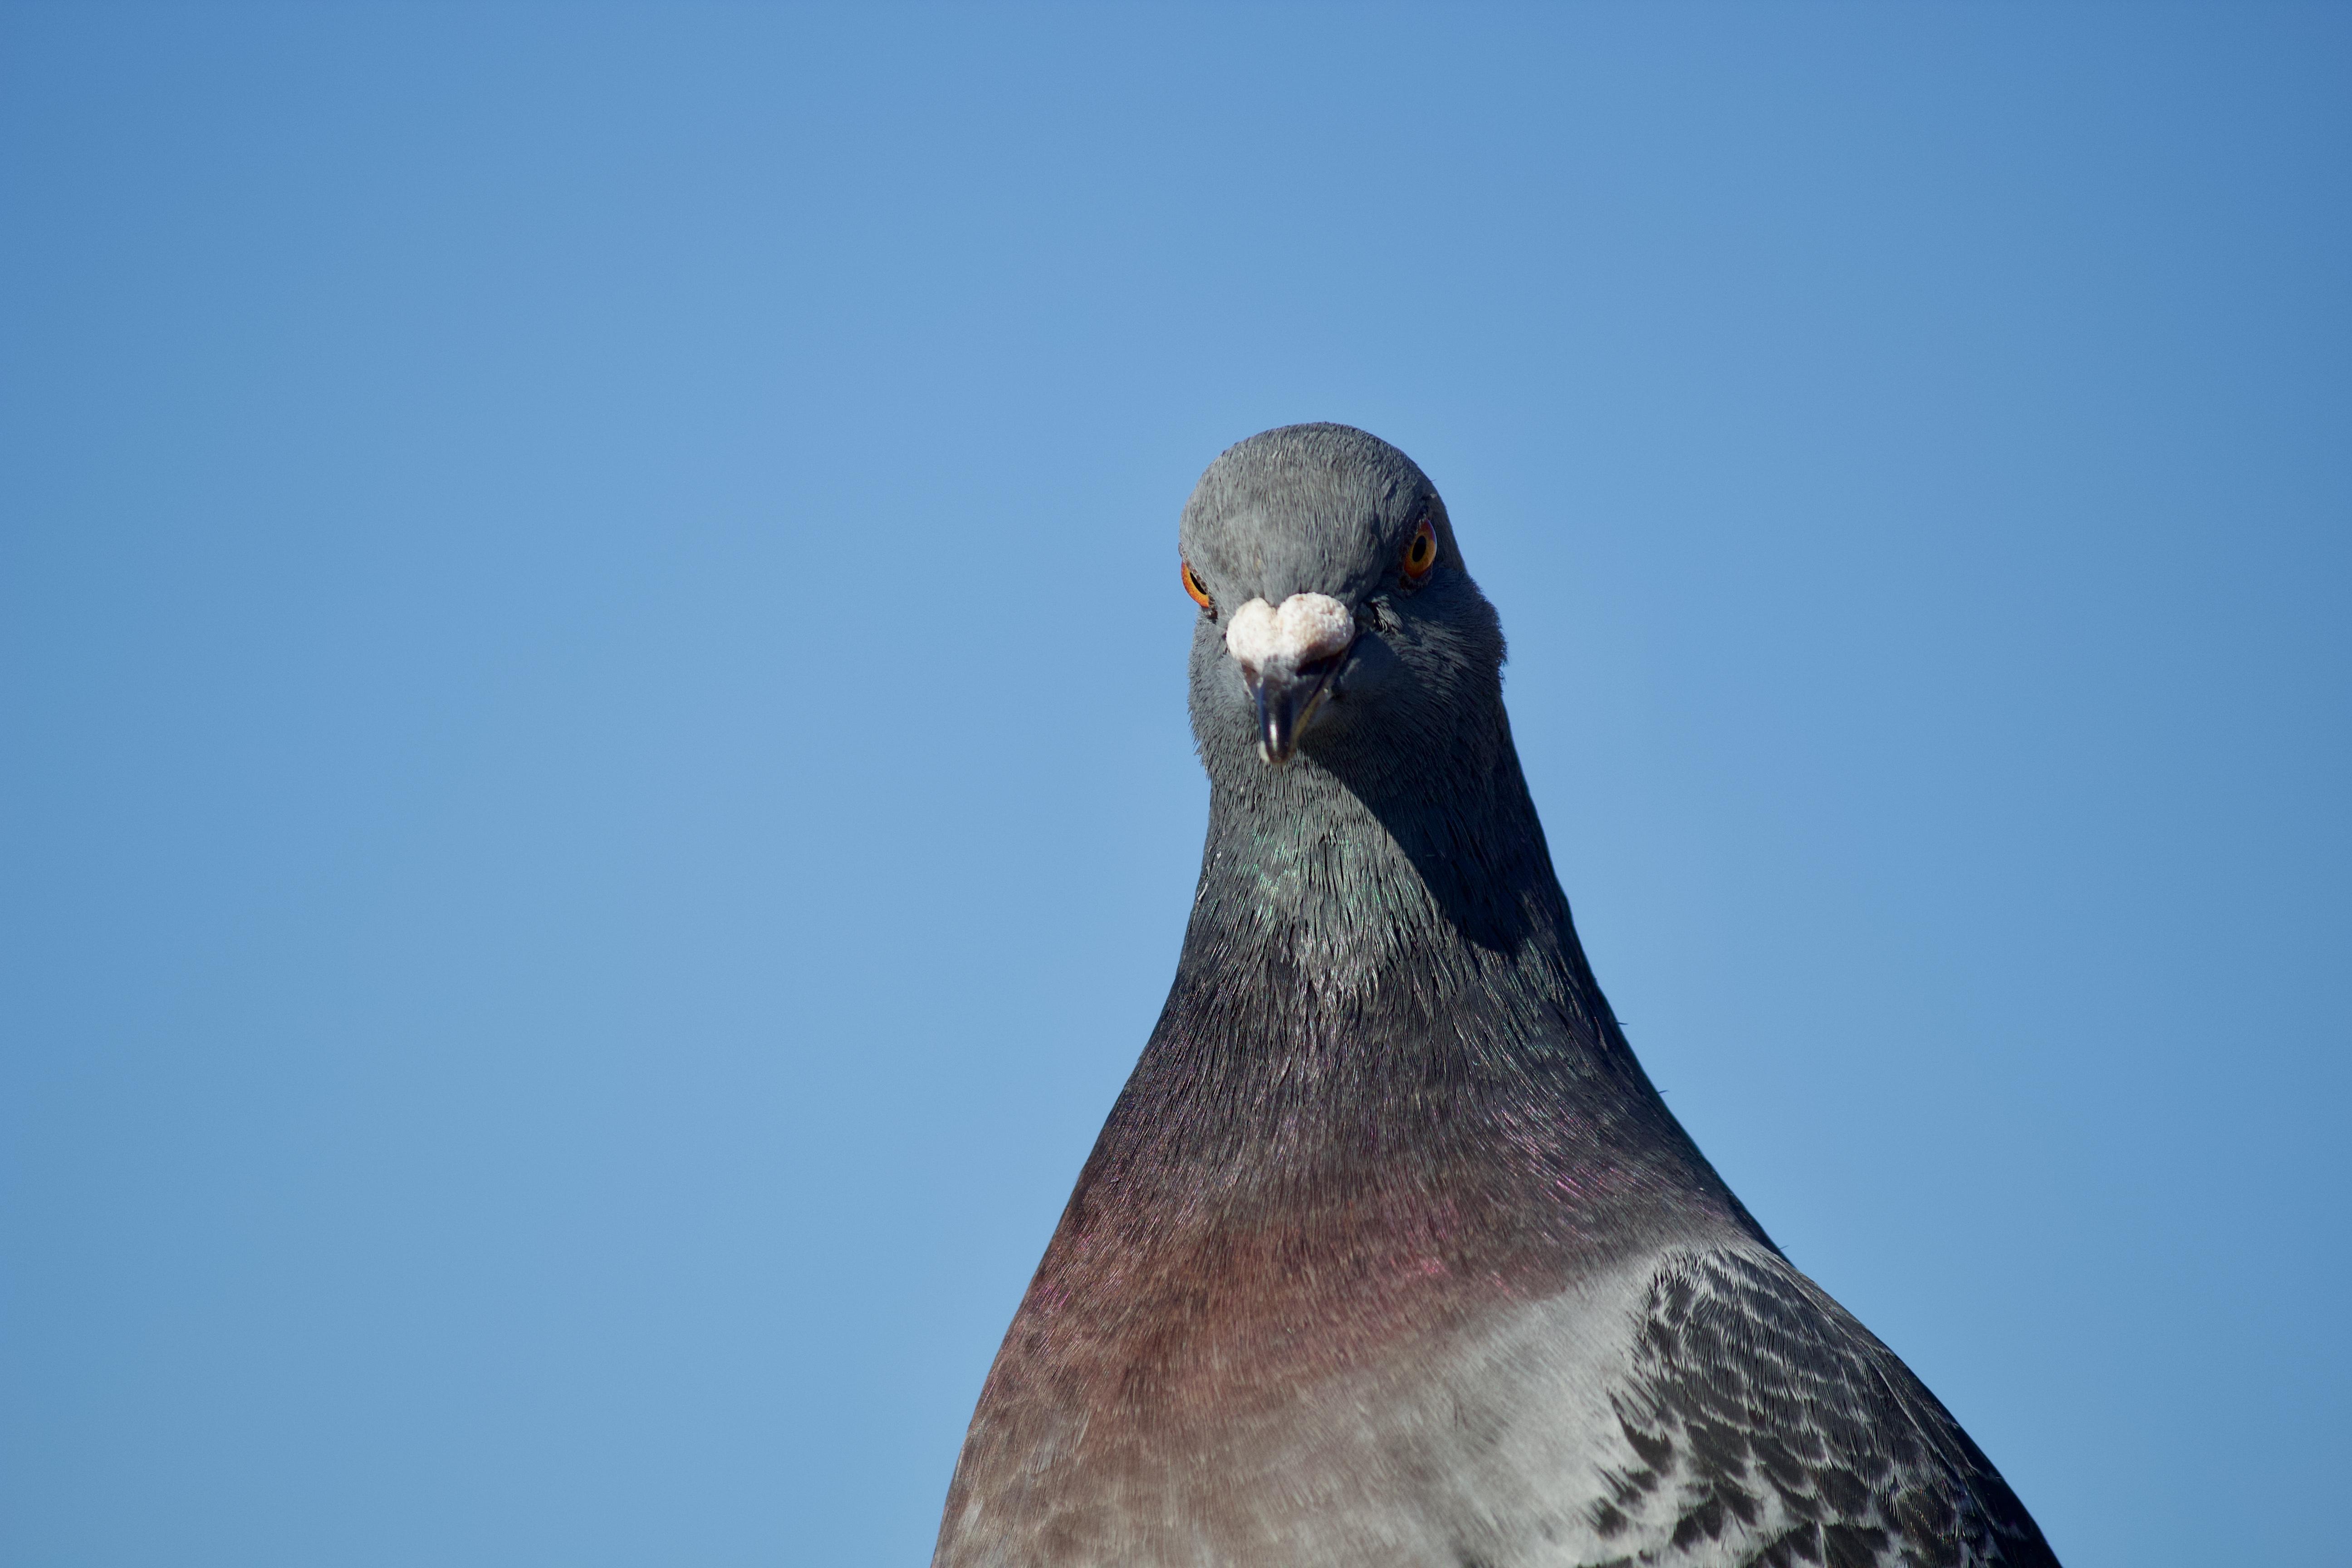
x=1701, y=1407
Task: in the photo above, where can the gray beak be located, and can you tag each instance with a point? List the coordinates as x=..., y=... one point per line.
x=1287, y=696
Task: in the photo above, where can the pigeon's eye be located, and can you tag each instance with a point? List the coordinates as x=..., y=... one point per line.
x=1421, y=553
x=1198, y=589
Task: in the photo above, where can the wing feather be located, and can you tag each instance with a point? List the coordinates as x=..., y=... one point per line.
x=1768, y=1426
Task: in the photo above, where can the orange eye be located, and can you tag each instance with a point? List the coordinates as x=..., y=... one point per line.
x=1198, y=589
x=1421, y=553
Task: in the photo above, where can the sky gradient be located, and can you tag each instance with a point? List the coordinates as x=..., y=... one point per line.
x=594, y=795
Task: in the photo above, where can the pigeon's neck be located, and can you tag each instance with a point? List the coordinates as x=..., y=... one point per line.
x=1315, y=893
x=1381, y=998
x=1359, y=957
x=1384, y=1077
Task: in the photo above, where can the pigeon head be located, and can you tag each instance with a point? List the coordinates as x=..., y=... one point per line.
x=1337, y=625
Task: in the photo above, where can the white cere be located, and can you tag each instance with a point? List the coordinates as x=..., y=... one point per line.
x=1309, y=626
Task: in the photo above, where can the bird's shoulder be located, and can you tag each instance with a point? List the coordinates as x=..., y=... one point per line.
x=1760, y=1423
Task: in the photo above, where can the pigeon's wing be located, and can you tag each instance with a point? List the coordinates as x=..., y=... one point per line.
x=1768, y=1426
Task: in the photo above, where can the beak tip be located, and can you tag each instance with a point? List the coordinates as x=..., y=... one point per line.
x=1285, y=700
x=1278, y=733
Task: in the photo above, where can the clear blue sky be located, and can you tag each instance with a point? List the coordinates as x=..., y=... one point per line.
x=596, y=791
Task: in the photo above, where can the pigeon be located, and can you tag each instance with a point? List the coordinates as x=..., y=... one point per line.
x=1389, y=1255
